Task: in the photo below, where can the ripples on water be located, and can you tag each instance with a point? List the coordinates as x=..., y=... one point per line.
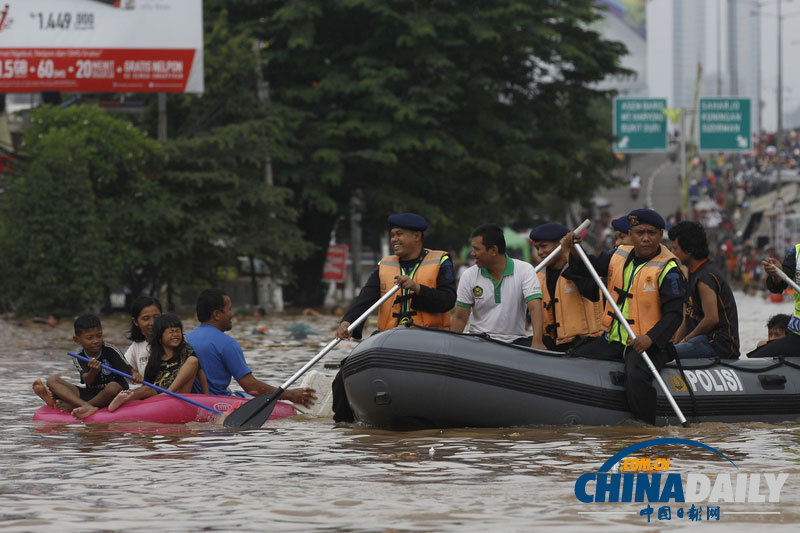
x=304, y=474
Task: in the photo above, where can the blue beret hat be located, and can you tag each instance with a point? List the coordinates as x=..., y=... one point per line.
x=621, y=224
x=646, y=216
x=410, y=221
x=552, y=231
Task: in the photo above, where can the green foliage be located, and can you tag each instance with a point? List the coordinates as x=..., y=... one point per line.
x=462, y=111
x=121, y=165
x=218, y=154
x=56, y=256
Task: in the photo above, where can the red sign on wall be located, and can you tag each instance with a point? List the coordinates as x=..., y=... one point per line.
x=335, y=263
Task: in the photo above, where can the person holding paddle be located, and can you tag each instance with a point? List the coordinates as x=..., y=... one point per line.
x=427, y=292
x=100, y=385
x=425, y=277
x=172, y=363
x=572, y=308
x=221, y=357
x=649, y=287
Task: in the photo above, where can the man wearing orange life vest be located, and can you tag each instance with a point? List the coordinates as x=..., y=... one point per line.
x=425, y=276
x=649, y=286
x=572, y=308
x=428, y=293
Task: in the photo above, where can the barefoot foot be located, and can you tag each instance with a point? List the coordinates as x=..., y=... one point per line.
x=64, y=407
x=44, y=393
x=84, y=411
x=119, y=400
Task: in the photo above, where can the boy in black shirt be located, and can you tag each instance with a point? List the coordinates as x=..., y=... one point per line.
x=101, y=385
x=710, y=325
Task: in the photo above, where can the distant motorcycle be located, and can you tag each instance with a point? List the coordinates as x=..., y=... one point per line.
x=635, y=185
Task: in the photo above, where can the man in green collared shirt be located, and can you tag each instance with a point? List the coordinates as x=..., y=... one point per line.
x=497, y=291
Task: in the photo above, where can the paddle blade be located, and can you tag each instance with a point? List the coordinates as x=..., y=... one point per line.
x=254, y=413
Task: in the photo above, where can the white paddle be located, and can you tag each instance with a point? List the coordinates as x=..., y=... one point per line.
x=781, y=274
x=554, y=253
x=631, y=334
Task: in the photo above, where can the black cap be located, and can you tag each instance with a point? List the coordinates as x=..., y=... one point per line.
x=646, y=216
x=552, y=231
x=410, y=221
x=621, y=224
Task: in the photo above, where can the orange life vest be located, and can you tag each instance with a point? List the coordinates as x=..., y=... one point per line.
x=638, y=298
x=573, y=316
x=397, y=311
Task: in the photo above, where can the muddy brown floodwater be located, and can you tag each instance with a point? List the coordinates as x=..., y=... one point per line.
x=308, y=474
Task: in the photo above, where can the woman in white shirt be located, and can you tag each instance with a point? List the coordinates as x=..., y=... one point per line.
x=144, y=311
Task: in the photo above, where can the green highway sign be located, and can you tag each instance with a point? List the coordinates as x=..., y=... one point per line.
x=725, y=124
x=640, y=125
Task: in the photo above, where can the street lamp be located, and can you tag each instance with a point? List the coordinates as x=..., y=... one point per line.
x=757, y=13
x=780, y=101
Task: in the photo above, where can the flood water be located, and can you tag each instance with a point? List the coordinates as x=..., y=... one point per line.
x=308, y=474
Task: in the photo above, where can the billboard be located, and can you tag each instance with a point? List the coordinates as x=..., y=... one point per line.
x=101, y=46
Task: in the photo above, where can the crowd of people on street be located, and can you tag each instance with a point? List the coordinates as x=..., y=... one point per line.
x=722, y=191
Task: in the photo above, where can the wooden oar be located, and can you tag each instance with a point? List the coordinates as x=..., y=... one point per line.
x=781, y=274
x=631, y=334
x=256, y=411
x=156, y=387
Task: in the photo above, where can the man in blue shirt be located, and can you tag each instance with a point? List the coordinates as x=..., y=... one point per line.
x=222, y=358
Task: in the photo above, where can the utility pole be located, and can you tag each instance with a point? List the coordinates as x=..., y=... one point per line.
x=162, y=118
x=719, y=47
x=733, y=47
x=686, y=112
x=758, y=79
x=356, y=205
x=162, y=138
x=262, y=89
x=272, y=289
x=779, y=133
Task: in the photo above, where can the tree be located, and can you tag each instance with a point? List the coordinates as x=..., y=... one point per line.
x=458, y=109
x=56, y=257
x=218, y=149
x=76, y=209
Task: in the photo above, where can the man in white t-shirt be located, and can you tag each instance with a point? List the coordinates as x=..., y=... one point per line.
x=496, y=291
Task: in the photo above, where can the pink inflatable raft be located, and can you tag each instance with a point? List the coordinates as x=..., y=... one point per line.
x=163, y=409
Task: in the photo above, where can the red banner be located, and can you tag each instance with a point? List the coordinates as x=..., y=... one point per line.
x=94, y=70
x=335, y=263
